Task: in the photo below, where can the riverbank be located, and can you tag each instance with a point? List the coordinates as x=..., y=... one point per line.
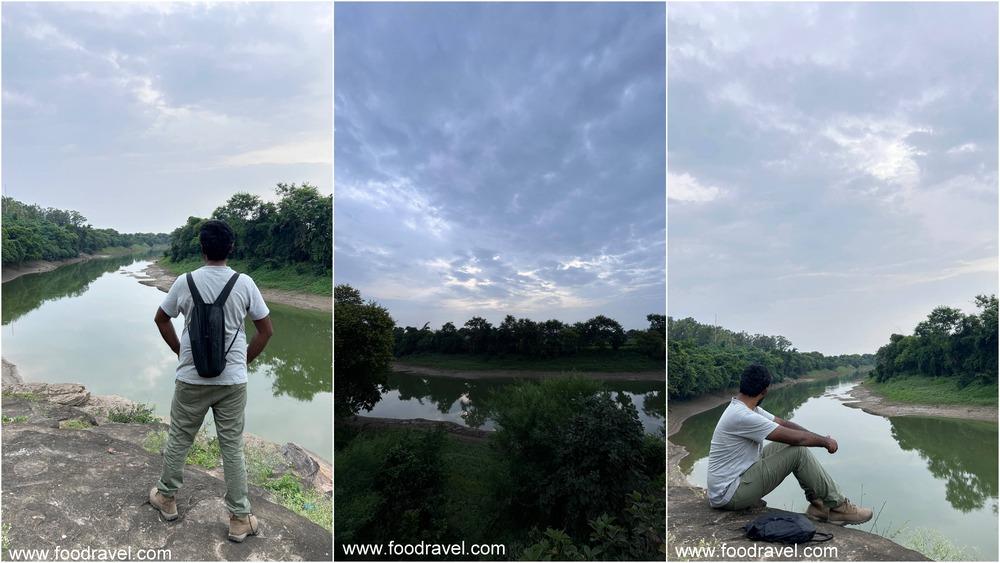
x=71, y=405
x=402, y=367
x=42, y=266
x=692, y=523
x=162, y=278
x=866, y=398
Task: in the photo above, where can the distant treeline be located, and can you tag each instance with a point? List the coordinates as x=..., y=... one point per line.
x=948, y=344
x=526, y=337
x=705, y=358
x=297, y=230
x=31, y=233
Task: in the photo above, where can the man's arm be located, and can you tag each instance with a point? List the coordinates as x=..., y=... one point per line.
x=167, y=331
x=793, y=437
x=789, y=424
x=259, y=341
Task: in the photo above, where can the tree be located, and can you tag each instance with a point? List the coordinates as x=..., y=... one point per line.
x=363, y=346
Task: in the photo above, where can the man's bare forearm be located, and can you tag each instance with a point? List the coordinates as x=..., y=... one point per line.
x=793, y=426
x=169, y=336
x=257, y=344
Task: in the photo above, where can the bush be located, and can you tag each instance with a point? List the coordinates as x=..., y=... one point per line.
x=573, y=452
x=135, y=414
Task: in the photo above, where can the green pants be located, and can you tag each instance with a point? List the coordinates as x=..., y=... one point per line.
x=187, y=412
x=777, y=462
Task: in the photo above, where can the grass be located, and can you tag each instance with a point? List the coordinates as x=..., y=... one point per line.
x=935, y=391
x=936, y=546
x=27, y=396
x=74, y=424
x=622, y=360
x=15, y=419
x=262, y=462
x=301, y=279
x=136, y=414
x=5, y=536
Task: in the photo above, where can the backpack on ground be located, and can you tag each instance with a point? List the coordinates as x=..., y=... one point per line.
x=207, y=330
x=784, y=528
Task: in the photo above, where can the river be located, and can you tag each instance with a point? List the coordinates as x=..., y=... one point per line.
x=410, y=395
x=92, y=323
x=915, y=473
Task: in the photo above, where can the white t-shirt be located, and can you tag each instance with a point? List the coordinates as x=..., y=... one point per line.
x=245, y=299
x=736, y=445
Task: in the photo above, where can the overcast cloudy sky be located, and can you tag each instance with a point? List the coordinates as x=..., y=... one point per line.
x=139, y=115
x=501, y=158
x=833, y=168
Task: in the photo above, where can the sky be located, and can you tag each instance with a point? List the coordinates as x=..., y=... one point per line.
x=140, y=115
x=495, y=159
x=832, y=168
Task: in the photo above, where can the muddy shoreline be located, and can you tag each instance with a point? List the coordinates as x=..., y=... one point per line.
x=527, y=374
x=872, y=403
x=159, y=277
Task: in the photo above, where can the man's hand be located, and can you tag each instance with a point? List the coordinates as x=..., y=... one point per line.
x=167, y=331
x=831, y=445
x=259, y=341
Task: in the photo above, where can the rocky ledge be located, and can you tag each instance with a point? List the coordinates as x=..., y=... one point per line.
x=87, y=488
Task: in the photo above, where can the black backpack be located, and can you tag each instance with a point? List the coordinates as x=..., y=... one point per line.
x=784, y=528
x=207, y=330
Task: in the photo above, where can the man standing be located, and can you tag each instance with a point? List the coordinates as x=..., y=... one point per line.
x=741, y=471
x=226, y=393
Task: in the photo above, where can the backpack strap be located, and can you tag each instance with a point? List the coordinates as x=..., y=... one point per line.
x=194, y=290
x=221, y=299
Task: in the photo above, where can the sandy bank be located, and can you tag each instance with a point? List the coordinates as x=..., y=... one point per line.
x=40, y=266
x=159, y=277
x=872, y=403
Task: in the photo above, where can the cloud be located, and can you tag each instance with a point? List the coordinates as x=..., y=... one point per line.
x=508, y=157
x=316, y=151
x=685, y=187
x=863, y=142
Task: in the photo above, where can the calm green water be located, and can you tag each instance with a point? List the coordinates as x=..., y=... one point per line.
x=92, y=323
x=929, y=473
x=444, y=398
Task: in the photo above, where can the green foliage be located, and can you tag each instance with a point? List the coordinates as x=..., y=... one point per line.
x=621, y=360
x=5, y=536
x=573, y=451
x=27, y=396
x=936, y=391
x=704, y=358
x=306, y=502
x=135, y=414
x=525, y=338
x=935, y=546
x=391, y=486
x=949, y=344
x=638, y=537
x=30, y=232
x=362, y=340
x=74, y=424
x=296, y=231
x=14, y=419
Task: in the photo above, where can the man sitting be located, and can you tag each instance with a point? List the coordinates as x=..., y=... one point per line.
x=741, y=470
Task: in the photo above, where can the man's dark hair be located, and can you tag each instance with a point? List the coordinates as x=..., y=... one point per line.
x=754, y=380
x=216, y=239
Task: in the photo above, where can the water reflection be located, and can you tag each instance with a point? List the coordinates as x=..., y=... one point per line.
x=29, y=292
x=407, y=395
x=300, y=370
x=970, y=472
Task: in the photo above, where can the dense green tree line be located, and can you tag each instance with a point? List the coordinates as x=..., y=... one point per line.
x=526, y=337
x=948, y=343
x=705, y=358
x=31, y=233
x=296, y=230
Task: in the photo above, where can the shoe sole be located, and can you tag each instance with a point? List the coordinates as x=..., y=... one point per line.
x=837, y=522
x=240, y=538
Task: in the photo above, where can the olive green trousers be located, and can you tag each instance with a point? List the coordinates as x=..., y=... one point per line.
x=187, y=412
x=778, y=461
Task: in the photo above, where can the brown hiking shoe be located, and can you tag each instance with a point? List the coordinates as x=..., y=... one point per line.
x=818, y=511
x=166, y=505
x=848, y=513
x=242, y=526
